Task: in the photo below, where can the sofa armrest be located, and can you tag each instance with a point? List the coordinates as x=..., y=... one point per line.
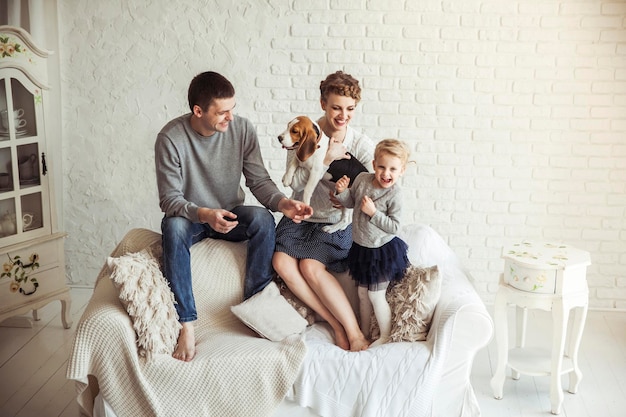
x=461, y=308
x=134, y=241
x=461, y=326
x=459, y=305
x=91, y=352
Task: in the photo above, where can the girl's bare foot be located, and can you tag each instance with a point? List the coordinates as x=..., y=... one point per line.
x=186, y=346
x=381, y=341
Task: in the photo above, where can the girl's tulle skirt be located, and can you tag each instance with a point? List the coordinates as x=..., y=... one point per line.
x=371, y=267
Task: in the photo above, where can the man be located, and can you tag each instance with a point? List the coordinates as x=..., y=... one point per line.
x=199, y=161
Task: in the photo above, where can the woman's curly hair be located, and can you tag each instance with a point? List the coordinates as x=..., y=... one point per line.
x=341, y=84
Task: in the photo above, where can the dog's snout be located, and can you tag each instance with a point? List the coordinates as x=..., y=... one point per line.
x=280, y=138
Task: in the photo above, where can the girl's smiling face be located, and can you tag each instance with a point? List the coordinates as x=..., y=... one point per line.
x=387, y=170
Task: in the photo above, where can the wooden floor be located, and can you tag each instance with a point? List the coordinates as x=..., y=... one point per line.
x=33, y=364
x=602, y=359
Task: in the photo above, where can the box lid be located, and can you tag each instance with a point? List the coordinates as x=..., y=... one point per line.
x=545, y=255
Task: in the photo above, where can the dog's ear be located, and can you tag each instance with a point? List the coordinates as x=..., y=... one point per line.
x=308, y=143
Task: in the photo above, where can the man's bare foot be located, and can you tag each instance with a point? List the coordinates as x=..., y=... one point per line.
x=186, y=346
x=359, y=344
x=341, y=339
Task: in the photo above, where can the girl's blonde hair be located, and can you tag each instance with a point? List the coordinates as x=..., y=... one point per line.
x=393, y=147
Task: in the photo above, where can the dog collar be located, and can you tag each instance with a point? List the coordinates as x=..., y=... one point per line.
x=317, y=129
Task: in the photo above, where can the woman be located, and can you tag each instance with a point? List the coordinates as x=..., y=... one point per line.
x=304, y=252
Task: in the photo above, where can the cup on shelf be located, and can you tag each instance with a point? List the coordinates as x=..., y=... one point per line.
x=27, y=220
x=8, y=226
x=19, y=122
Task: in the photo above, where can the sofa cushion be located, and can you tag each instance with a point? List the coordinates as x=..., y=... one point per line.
x=146, y=296
x=427, y=247
x=412, y=302
x=304, y=310
x=270, y=315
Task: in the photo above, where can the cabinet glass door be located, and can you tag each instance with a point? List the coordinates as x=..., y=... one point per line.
x=23, y=186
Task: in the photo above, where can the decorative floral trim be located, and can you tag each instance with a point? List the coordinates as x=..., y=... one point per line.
x=540, y=279
x=18, y=270
x=523, y=254
x=556, y=259
x=8, y=47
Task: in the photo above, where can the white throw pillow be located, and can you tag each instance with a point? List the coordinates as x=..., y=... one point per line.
x=270, y=315
x=305, y=311
x=146, y=295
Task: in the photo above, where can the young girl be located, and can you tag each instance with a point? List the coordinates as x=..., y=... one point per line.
x=377, y=256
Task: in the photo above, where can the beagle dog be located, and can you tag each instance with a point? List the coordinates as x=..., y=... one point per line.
x=310, y=143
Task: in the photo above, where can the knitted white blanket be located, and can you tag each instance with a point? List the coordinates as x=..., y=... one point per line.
x=234, y=373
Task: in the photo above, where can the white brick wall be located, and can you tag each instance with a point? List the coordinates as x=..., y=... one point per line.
x=515, y=111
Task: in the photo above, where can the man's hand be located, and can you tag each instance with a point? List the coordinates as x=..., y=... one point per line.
x=294, y=209
x=222, y=221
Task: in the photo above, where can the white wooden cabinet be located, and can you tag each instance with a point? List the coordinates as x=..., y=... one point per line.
x=31, y=248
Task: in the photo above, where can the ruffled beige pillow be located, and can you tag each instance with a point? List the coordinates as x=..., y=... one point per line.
x=146, y=295
x=412, y=302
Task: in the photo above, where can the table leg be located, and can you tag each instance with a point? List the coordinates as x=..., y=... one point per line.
x=580, y=315
x=66, y=316
x=502, y=342
x=521, y=318
x=559, y=331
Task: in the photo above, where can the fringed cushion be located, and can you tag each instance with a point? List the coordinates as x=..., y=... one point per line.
x=146, y=295
x=412, y=302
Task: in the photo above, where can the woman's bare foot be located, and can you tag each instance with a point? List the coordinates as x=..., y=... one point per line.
x=341, y=339
x=358, y=344
x=186, y=346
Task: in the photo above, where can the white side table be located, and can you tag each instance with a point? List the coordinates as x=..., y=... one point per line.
x=551, y=277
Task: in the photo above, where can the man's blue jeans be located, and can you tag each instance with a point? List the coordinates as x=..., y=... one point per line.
x=256, y=224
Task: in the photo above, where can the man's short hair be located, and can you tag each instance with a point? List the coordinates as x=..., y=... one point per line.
x=206, y=87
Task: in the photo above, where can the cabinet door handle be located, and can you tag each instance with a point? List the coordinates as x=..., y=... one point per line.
x=44, y=167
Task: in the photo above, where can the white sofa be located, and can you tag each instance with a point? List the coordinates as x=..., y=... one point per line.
x=308, y=375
